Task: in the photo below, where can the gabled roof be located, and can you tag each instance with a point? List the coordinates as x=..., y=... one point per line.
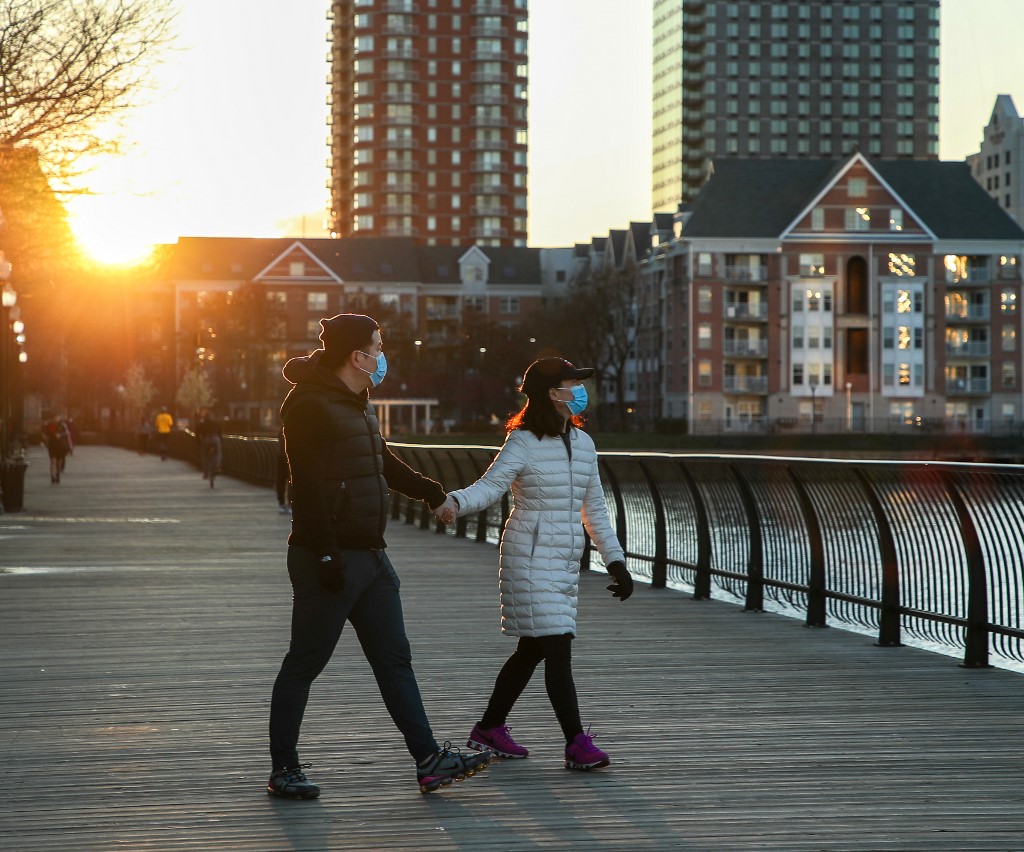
x=756, y=198
x=617, y=245
x=761, y=198
x=368, y=258
x=947, y=198
x=508, y=265
x=641, y=234
x=226, y=258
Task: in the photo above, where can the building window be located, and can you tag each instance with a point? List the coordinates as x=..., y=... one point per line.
x=1008, y=302
x=312, y=329
x=509, y=305
x=704, y=300
x=858, y=218
x=276, y=299
x=704, y=264
x=704, y=372
x=1009, y=374
x=858, y=187
x=818, y=219
x=902, y=265
x=704, y=336
x=1009, y=335
x=316, y=302
x=812, y=265
x=895, y=219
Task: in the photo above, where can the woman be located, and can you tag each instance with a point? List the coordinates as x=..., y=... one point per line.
x=551, y=467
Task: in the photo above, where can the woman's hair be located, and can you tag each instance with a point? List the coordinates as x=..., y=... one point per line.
x=540, y=416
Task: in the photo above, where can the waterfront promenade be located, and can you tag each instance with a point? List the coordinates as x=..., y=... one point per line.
x=143, y=617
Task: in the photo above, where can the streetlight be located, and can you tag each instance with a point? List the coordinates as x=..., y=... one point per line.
x=849, y=408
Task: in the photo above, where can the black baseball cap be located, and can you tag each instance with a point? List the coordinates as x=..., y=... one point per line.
x=550, y=372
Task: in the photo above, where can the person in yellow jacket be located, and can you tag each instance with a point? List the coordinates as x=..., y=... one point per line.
x=164, y=425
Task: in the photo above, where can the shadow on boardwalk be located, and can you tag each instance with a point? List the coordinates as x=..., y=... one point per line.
x=143, y=617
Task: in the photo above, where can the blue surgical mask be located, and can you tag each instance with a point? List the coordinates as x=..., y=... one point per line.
x=377, y=376
x=578, y=403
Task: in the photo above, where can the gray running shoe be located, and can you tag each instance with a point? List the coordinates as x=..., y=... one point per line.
x=446, y=765
x=292, y=783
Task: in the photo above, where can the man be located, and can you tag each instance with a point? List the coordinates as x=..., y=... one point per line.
x=341, y=471
x=210, y=440
x=164, y=425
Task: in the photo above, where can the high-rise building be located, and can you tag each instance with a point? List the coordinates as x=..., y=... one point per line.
x=429, y=120
x=997, y=166
x=803, y=78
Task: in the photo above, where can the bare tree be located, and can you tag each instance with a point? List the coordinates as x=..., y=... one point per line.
x=70, y=68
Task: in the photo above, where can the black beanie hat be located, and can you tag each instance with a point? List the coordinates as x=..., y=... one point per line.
x=342, y=335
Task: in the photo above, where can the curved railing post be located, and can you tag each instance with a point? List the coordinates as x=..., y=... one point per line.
x=976, y=645
x=702, y=575
x=659, y=568
x=755, y=562
x=889, y=619
x=816, y=575
x=620, y=504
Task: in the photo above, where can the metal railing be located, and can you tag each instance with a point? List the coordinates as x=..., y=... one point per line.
x=932, y=551
x=924, y=550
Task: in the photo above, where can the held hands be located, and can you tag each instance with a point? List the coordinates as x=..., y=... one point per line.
x=331, y=570
x=622, y=587
x=448, y=511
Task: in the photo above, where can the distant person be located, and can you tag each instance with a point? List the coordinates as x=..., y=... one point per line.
x=58, y=445
x=164, y=425
x=341, y=472
x=142, y=433
x=551, y=467
x=282, y=486
x=208, y=433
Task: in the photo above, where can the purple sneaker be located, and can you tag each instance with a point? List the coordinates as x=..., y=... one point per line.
x=581, y=753
x=496, y=739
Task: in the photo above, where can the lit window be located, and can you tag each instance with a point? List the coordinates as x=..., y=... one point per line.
x=904, y=302
x=1008, y=302
x=903, y=337
x=896, y=219
x=812, y=265
x=902, y=264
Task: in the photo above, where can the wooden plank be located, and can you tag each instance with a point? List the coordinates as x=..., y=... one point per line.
x=143, y=617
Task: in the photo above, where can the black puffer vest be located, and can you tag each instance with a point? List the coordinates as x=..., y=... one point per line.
x=350, y=468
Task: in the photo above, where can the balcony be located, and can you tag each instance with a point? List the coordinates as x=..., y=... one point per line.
x=399, y=143
x=488, y=210
x=970, y=349
x=398, y=209
x=490, y=56
x=401, y=186
x=487, y=31
x=489, y=9
x=399, y=98
x=745, y=348
x=400, y=120
x=488, y=77
x=976, y=384
x=488, y=121
x=490, y=233
x=746, y=273
x=971, y=313
x=399, y=53
x=480, y=188
x=745, y=384
x=978, y=275
x=444, y=312
x=400, y=29
x=745, y=310
x=398, y=231
x=489, y=100
x=406, y=74
x=482, y=166
x=399, y=165
x=488, y=145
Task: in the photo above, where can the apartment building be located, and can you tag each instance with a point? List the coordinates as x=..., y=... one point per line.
x=456, y=320
x=852, y=294
x=802, y=78
x=997, y=166
x=428, y=120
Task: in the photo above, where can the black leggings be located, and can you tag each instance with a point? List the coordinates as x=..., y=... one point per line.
x=556, y=651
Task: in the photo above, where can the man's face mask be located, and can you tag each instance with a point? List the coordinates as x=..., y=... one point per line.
x=377, y=376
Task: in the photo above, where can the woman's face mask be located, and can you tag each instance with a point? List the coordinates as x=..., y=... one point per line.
x=578, y=403
x=377, y=376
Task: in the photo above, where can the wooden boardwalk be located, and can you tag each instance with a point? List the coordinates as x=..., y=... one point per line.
x=143, y=617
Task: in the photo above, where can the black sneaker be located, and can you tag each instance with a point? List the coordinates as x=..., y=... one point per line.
x=292, y=783
x=445, y=766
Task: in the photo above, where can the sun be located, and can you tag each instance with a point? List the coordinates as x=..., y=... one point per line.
x=110, y=230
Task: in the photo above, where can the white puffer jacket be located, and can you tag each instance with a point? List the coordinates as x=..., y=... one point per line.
x=539, y=560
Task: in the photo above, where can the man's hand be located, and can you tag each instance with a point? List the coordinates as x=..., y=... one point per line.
x=448, y=511
x=331, y=568
x=622, y=588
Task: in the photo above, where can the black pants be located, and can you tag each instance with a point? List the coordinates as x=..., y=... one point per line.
x=371, y=603
x=556, y=651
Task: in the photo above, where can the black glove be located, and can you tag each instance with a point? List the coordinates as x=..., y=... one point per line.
x=331, y=568
x=622, y=588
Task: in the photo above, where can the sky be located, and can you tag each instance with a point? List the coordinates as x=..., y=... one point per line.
x=234, y=140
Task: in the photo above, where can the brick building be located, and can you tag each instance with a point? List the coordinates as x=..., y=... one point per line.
x=429, y=120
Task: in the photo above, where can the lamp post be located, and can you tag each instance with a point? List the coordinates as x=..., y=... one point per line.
x=8, y=299
x=849, y=407
x=813, y=381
